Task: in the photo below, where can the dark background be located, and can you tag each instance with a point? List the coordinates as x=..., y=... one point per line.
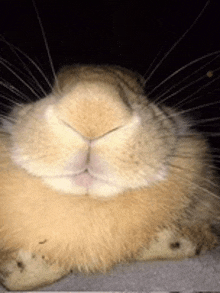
x=126, y=33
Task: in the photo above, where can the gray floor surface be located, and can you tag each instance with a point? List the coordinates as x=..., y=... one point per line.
x=190, y=275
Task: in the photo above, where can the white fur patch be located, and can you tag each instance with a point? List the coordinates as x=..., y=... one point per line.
x=97, y=189
x=29, y=271
x=161, y=247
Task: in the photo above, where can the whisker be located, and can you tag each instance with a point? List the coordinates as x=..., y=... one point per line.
x=25, y=76
x=216, y=156
x=10, y=100
x=195, y=92
x=195, y=184
x=8, y=118
x=201, y=121
x=182, y=112
x=181, y=82
x=14, y=90
x=198, y=107
x=6, y=106
x=14, y=49
x=182, y=102
x=177, y=42
x=152, y=63
x=210, y=134
x=4, y=63
x=46, y=44
x=185, y=67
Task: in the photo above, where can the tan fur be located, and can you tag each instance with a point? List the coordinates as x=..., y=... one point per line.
x=155, y=196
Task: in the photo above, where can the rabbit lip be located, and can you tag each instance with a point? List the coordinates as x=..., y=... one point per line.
x=87, y=179
x=84, y=179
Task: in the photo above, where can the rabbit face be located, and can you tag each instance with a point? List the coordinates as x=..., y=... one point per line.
x=88, y=141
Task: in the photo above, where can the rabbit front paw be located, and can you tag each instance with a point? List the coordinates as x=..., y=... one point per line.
x=26, y=271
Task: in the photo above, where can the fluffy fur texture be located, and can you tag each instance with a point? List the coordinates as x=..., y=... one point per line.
x=95, y=174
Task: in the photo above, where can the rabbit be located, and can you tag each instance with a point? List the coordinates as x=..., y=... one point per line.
x=96, y=174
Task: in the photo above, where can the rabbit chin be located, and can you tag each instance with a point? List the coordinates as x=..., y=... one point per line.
x=82, y=185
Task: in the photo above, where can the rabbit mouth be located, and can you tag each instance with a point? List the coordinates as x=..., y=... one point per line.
x=87, y=179
x=83, y=183
x=84, y=179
